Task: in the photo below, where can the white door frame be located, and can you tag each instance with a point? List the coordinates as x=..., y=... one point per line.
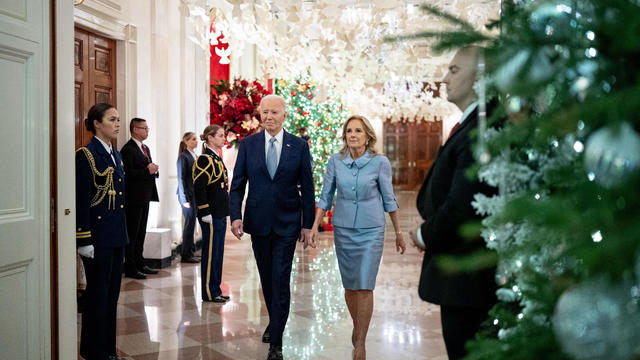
x=99, y=16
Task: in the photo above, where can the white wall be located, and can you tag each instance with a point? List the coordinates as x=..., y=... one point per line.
x=162, y=77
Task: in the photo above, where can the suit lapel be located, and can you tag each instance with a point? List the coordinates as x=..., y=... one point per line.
x=261, y=153
x=148, y=152
x=141, y=153
x=469, y=121
x=284, y=153
x=472, y=117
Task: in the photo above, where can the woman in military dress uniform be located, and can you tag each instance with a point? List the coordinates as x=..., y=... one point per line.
x=212, y=199
x=101, y=231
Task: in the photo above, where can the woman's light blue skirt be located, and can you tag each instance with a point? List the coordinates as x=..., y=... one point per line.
x=359, y=252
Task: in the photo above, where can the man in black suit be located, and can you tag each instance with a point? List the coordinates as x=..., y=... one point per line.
x=140, y=182
x=444, y=202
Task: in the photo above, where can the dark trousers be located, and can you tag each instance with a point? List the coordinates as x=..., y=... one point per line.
x=212, y=255
x=188, y=245
x=460, y=324
x=104, y=274
x=137, y=215
x=274, y=254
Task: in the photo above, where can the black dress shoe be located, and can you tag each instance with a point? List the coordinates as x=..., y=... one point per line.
x=135, y=275
x=275, y=352
x=147, y=270
x=225, y=297
x=190, y=260
x=266, y=337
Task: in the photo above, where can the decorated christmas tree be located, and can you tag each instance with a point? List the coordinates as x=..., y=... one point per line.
x=565, y=228
x=319, y=118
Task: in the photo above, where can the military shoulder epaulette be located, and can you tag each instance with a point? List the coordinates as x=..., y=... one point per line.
x=107, y=188
x=210, y=170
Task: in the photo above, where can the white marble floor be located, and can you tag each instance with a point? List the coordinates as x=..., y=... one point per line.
x=163, y=318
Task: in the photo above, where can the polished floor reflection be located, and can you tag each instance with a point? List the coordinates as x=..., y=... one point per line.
x=163, y=317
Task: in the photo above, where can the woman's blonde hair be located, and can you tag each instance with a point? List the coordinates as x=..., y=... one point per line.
x=183, y=142
x=368, y=129
x=210, y=130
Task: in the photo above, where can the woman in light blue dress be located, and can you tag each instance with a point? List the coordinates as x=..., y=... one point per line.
x=363, y=181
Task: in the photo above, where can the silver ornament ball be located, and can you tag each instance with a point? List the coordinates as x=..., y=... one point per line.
x=553, y=20
x=611, y=153
x=597, y=320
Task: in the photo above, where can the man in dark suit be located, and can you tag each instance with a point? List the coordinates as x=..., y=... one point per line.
x=140, y=181
x=274, y=162
x=444, y=202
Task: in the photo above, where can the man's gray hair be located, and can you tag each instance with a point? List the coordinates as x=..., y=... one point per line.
x=273, y=96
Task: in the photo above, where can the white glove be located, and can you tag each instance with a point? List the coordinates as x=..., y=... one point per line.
x=86, y=251
x=207, y=219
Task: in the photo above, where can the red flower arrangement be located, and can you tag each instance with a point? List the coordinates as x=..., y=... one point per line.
x=235, y=108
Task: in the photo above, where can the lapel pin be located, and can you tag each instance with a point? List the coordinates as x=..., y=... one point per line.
x=288, y=145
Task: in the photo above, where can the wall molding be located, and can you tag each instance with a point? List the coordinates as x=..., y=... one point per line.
x=104, y=17
x=98, y=20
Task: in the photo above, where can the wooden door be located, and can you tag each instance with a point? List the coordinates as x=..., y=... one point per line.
x=428, y=136
x=95, y=77
x=411, y=148
x=396, y=147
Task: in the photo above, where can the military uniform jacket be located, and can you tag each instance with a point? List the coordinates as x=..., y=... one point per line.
x=100, y=215
x=210, y=185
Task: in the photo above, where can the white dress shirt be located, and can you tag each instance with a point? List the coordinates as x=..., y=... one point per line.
x=278, y=144
x=468, y=110
x=108, y=148
x=193, y=154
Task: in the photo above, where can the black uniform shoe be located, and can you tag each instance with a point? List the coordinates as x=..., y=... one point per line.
x=217, y=299
x=135, y=275
x=147, y=270
x=190, y=260
x=225, y=297
x=266, y=337
x=275, y=353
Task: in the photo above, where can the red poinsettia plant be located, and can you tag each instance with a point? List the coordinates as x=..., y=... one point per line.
x=234, y=106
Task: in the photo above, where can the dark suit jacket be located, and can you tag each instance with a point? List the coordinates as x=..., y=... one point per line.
x=185, y=180
x=141, y=186
x=100, y=221
x=444, y=202
x=273, y=204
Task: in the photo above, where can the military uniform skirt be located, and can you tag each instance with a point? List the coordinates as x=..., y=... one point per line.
x=359, y=252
